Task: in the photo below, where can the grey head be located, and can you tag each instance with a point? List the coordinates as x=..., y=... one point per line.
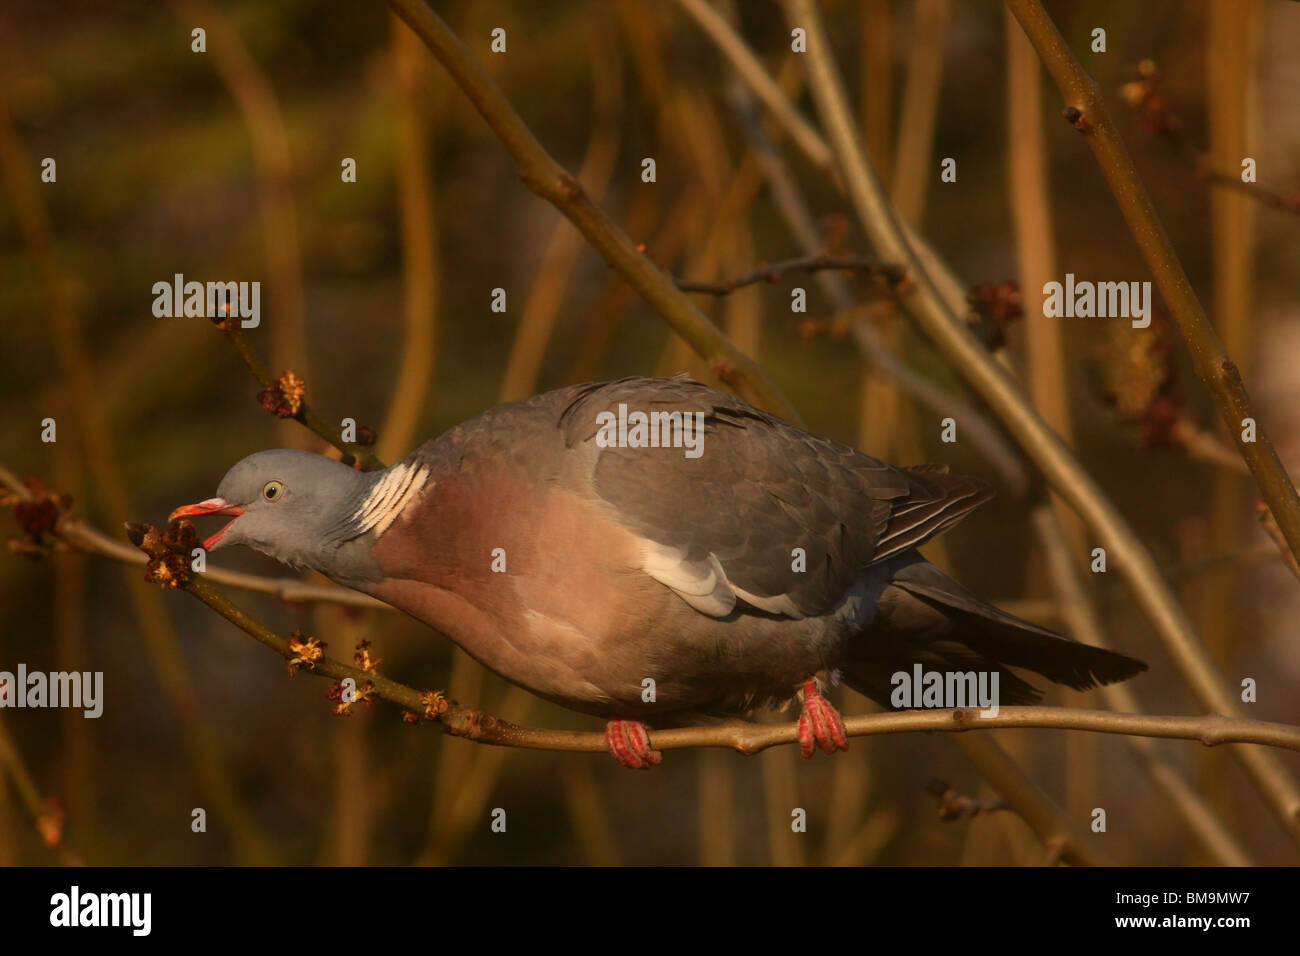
x=295, y=506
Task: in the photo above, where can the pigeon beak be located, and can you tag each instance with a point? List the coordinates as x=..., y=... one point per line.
x=213, y=506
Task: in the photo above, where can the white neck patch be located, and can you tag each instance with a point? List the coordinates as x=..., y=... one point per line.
x=390, y=497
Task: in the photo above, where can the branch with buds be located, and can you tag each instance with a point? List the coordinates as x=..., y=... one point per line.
x=1146, y=96
x=168, y=554
x=284, y=397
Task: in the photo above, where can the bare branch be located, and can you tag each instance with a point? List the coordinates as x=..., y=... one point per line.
x=1145, y=96
x=809, y=264
x=303, y=413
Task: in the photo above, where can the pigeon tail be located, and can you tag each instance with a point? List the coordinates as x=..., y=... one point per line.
x=928, y=618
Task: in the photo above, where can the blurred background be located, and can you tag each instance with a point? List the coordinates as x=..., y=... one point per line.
x=226, y=165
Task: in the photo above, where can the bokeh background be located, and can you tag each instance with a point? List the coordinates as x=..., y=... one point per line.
x=226, y=165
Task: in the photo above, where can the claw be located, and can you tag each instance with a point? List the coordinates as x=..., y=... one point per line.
x=820, y=724
x=629, y=744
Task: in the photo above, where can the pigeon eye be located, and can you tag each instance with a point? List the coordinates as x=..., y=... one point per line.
x=272, y=490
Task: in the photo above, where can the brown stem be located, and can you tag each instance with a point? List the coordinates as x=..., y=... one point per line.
x=305, y=415
x=1261, y=194
x=810, y=264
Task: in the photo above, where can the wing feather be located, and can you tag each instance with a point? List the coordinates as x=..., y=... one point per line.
x=726, y=530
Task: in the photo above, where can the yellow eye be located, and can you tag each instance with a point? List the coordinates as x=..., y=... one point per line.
x=272, y=490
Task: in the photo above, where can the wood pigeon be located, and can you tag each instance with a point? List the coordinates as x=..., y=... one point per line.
x=654, y=552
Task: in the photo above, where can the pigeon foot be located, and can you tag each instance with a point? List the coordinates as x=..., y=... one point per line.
x=820, y=724
x=629, y=744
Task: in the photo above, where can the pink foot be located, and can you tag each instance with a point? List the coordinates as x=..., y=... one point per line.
x=629, y=744
x=820, y=724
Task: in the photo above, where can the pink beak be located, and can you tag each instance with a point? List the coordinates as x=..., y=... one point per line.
x=213, y=506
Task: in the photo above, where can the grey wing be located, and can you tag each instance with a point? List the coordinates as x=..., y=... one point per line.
x=768, y=516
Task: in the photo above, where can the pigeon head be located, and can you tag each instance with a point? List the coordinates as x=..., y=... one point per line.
x=283, y=503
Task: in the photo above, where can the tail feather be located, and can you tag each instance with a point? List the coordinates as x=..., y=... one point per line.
x=927, y=616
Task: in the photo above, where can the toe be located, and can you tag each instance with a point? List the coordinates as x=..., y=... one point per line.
x=629, y=744
x=807, y=740
x=820, y=725
x=640, y=741
x=619, y=748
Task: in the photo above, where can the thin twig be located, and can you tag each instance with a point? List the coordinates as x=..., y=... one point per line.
x=809, y=264
x=1200, y=444
x=305, y=414
x=1145, y=96
x=1051, y=822
x=1261, y=194
x=268, y=141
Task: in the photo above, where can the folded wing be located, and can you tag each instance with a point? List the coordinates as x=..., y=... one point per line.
x=767, y=518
